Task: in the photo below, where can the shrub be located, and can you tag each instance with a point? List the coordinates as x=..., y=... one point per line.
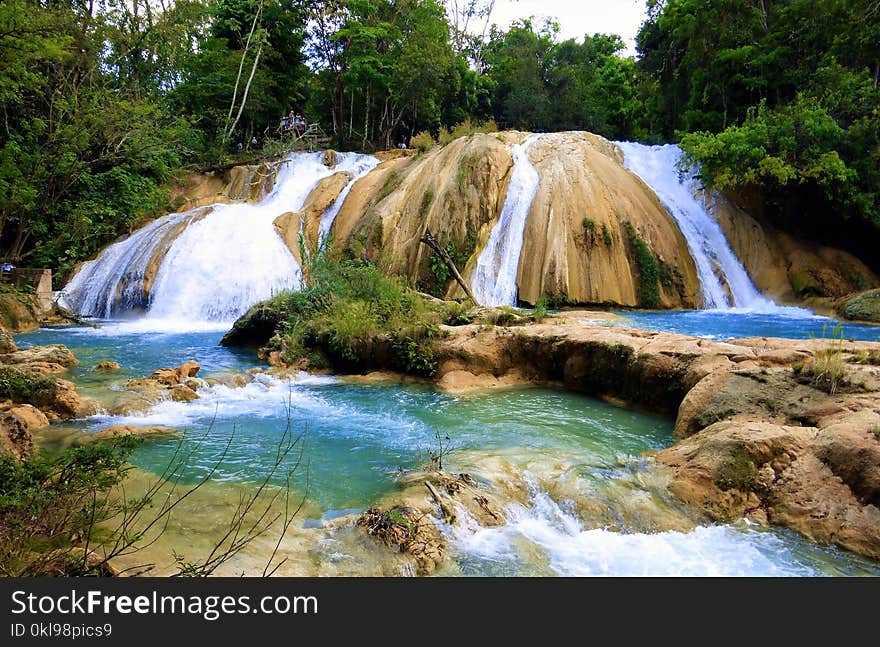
x=351, y=310
x=540, y=312
x=588, y=225
x=423, y=142
x=23, y=387
x=606, y=236
x=648, y=290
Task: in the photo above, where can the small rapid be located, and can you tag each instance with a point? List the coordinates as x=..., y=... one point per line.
x=724, y=281
x=493, y=281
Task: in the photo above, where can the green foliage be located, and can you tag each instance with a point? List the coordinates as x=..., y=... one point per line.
x=22, y=387
x=423, y=142
x=354, y=316
x=458, y=314
x=738, y=472
x=778, y=100
x=606, y=236
x=392, y=181
x=648, y=290
x=427, y=201
x=827, y=370
x=862, y=307
x=540, y=311
x=47, y=504
x=588, y=225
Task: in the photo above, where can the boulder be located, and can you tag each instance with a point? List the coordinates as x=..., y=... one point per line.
x=7, y=343
x=864, y=306
x=129, y=430
x=52, y=354
x=15, y=437
x=165, y=376
x=187, y=370
x=181, y=393
x=107, y=365
x=33, y=418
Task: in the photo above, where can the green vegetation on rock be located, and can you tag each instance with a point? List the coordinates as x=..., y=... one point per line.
x=649, y=269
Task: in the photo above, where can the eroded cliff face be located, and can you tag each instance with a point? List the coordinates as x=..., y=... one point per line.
x=236, y=184
x=576, y=246
x=456, y=191
x=787, y=269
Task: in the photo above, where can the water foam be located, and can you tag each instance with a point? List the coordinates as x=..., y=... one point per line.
x=493, y=280
x=658, y=167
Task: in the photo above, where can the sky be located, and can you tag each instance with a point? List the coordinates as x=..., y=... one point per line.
x=579, y=17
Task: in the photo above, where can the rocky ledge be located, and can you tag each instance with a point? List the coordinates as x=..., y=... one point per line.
x=780, y=431
x=31, y=393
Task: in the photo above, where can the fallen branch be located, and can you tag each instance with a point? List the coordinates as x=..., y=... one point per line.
x=429, y=240
x=448, y=512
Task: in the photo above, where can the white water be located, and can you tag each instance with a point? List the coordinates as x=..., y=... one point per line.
x=568, y=549
x=358, y=166
x=658, y=168
x=493, y=280
x=218, y=266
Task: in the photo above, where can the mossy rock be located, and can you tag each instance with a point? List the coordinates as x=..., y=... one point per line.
x=804, y=284
x=861, y=307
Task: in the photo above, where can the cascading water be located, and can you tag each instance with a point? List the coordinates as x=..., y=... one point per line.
x=358, y=166
x=218, y=266
x=113, y=283
x=658, y=166
x=493, y=280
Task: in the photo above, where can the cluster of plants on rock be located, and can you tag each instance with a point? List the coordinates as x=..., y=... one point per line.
x=20, y=386
x=350, y=312
x=648, y=287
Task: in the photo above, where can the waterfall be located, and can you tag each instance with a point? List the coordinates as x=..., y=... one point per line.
x=358, y=166
x=218, y=266
x=716, y=262
x=493, y=280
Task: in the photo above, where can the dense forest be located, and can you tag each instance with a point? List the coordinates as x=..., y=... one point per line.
x=105, y=102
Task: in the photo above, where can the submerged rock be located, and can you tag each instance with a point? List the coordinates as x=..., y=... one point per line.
x=107, y=433
x=107, y=365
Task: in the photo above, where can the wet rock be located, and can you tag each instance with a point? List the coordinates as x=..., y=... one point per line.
x=181, y=393
x=107, y=365
x=165, y=376
x=66, y=403
x=256, y=327
x=42, y=368
x=52, y=354
x=129, y=430
x=187, y=370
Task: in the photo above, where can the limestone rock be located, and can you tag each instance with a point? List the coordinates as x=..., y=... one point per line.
x=52, y=354
x=784, y=268
x=7, y=343
x=188, y=369
x=15, y=437
x=165, y=376
x=130, y=430
x=107, y=365
x=181, y=393
x=30, y=416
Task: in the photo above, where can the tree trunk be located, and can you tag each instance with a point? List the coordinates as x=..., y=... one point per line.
x=429, y=240
x=247, y=90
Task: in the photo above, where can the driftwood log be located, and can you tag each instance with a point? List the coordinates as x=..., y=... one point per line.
x=429, y=240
